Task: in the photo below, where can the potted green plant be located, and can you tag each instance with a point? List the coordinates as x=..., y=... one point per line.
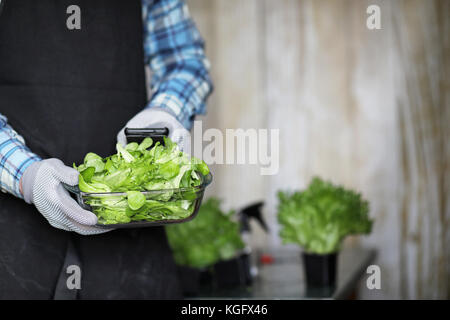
x=318, y=219
x=207, y=249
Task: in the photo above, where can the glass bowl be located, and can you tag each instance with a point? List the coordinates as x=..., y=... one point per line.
x=165, y=206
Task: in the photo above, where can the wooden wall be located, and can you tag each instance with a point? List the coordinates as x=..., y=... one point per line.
x=366, y=108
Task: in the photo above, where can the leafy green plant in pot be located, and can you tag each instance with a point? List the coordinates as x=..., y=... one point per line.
x=206, y=246
x=318, y=219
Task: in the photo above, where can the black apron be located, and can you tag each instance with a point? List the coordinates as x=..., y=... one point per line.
x=69, y=92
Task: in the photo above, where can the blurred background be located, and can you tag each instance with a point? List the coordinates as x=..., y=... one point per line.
x=368, y=109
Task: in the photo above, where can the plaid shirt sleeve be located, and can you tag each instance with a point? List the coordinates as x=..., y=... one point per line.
x=15, y=157
x=174, y=51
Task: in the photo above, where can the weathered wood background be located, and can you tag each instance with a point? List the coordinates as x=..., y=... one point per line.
x=365, y=108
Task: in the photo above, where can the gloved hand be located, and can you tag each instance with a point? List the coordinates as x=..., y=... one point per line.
x=41, y=186
x=159, y=118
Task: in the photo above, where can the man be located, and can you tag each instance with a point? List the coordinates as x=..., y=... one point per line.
x=67, y=92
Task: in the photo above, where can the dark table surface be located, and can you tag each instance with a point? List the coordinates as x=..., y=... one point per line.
x=284, y=277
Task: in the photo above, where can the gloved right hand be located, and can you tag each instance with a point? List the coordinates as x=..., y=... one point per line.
x=159, y=118
x=41, y=185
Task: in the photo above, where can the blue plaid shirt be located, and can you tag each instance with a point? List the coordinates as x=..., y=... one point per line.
x=173, y=50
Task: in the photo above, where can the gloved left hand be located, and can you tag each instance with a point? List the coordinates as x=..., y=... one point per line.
x=159, y=118
x=41, y=185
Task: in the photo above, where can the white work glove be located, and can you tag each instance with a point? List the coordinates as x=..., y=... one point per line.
x=41, y=186
x=159, y=118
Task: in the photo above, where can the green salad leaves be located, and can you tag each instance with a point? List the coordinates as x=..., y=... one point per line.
x=320, y=217
x=210, y=237
x=136, y=168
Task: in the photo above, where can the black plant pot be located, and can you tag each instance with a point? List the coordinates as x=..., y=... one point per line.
x=226, y=274
x=232, y=273
x=189, y=280
x=320, y=270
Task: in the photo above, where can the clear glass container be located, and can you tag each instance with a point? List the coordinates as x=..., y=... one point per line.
x=161, y=207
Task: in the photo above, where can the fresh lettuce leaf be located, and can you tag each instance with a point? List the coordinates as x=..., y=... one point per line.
x=210, y=237
x=135, y=168
x=320, y=217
